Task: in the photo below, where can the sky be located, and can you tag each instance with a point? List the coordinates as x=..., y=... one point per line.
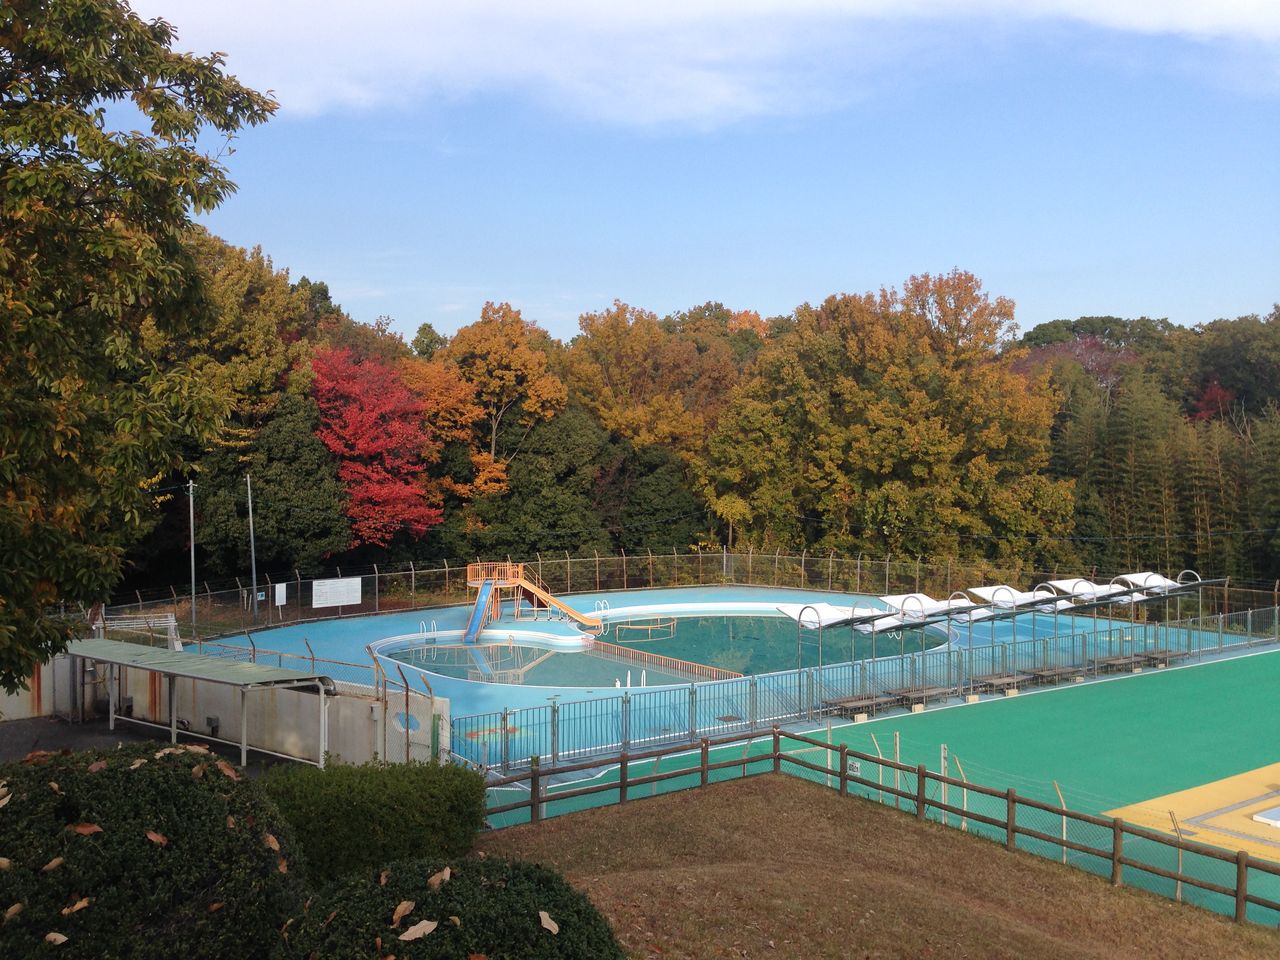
x=1081, y=157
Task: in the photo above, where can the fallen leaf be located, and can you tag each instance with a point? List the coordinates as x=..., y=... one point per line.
x=328, y=919
x=271, y=842
x=198, y=770
x=283, y=865
x=137, y=763
x=437, y=879
x=84, y=829
x=54, y=938
x=456, y=921
x=5, y=863
x=403, y=910
x=215, y=907
x=231, y=822
x=306, y=907
x=547, y=923
x=97, y=765
x=228, y=770
x=77, y=906
x=53, y=864
x=157, y=838
x=477, y=956
x=287, y=924
x=419, y=930
x=5, y=799
x=37, y=757
x=197, y=748
x=166, y=751
x=12, y=912
x=382, y=878
x=55, y=788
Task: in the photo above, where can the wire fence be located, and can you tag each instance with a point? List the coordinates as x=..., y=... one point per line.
x=237, y=605
x=1235, y=883
x=560, y=732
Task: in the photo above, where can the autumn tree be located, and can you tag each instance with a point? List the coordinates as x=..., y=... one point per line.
x=372, y=423
x=891, y=423
x=501, y=355
x=92, y=257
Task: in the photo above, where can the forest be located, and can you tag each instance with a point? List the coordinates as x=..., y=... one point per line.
x=911, y=421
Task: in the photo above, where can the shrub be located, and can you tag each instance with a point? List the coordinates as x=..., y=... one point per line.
x=491, y=907
x=352, y=818
x=141, y=853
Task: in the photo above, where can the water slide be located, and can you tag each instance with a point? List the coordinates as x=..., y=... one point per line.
x=538, y=597
x=479, y=615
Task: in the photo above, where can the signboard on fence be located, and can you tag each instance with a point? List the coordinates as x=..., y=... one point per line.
x=344, y=592
x=281, y=594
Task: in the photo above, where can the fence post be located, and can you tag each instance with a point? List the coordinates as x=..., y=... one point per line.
x=626, y=722
x=706, y=758
x=844, y=769
x=506, y=739
x=1242, y=884
x=751, y=687
x=555, y=732
x=622, y=778
x=922, y=784
x=693, y=711
x=1011, y=820
x=1117, y=852
x=777, y=750
x=535, y=790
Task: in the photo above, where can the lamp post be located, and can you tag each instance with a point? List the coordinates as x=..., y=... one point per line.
x=253, y=554
x=191, y=517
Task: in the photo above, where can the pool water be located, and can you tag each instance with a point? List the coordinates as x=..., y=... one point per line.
x=759, y=644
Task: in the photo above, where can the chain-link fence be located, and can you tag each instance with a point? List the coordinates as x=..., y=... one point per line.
x=237, y=605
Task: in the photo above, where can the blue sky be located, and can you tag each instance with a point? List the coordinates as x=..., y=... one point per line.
x=1079, y=157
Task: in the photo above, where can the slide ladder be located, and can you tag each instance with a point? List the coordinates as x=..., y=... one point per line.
x=482, y=613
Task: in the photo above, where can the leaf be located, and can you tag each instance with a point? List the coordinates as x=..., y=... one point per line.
x=198, y=770
x=12, y=912
x=403, y=910
x=77, y=906
x=84, y=829
x=283, y=865
x=419, y=930
x=328, y=919
x=159, y=839
x=271, y=842
x=97, y=765
x=5, y=863
x=36, y=757
x=5, y=799
x=197, y=748
x=55, y=788
x=53, y=864
x=215, y=907
x=137, y=763
x=477, y=956
x=382, y=878
x=231, y=822
x=166, y=751
x=438, y=879
x=456, y=921
x=547, y=923
x=54, y=938
x=228, y=770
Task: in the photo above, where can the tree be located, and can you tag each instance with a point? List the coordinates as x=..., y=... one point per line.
x=427, y=341
x=372, y=423
x=91, y=257
x=499, y=356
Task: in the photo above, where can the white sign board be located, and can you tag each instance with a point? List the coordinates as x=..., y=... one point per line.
x=281, y=594
x=344, y=592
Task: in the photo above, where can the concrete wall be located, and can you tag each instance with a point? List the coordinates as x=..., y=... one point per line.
x=46, y=681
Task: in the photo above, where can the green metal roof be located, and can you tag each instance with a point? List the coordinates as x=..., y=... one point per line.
x=197, y=666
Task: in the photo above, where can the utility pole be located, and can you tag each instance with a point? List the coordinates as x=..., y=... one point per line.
x=191, y=514
x=253, y=554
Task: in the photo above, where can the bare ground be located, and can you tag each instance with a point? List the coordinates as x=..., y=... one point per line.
x=772, y=866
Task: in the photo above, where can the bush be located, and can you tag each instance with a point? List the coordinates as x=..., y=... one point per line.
x=353, y=818
x=141, y=853
x=488, y=907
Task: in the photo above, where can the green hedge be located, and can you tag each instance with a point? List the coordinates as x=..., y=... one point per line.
x=490, y=907
x=352, y=818
x=142, y=852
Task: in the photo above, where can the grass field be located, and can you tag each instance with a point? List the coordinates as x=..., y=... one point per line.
x=777, y=867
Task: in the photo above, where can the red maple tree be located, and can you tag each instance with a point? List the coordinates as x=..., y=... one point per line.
x=373, y=424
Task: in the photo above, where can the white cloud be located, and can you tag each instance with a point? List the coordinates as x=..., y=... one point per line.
x=694, y=61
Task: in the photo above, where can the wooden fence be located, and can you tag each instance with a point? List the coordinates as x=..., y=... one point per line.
x=1007, y=817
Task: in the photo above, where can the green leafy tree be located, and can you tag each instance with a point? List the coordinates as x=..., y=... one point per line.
x=92, y=256
x=427, y=341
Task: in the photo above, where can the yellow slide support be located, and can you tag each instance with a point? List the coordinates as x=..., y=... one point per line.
x=537, y=595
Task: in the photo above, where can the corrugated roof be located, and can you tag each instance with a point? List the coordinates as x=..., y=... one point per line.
x=196, y=666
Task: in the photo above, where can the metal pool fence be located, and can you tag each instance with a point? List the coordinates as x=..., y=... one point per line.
x=562, y=732
x=1245, y=887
